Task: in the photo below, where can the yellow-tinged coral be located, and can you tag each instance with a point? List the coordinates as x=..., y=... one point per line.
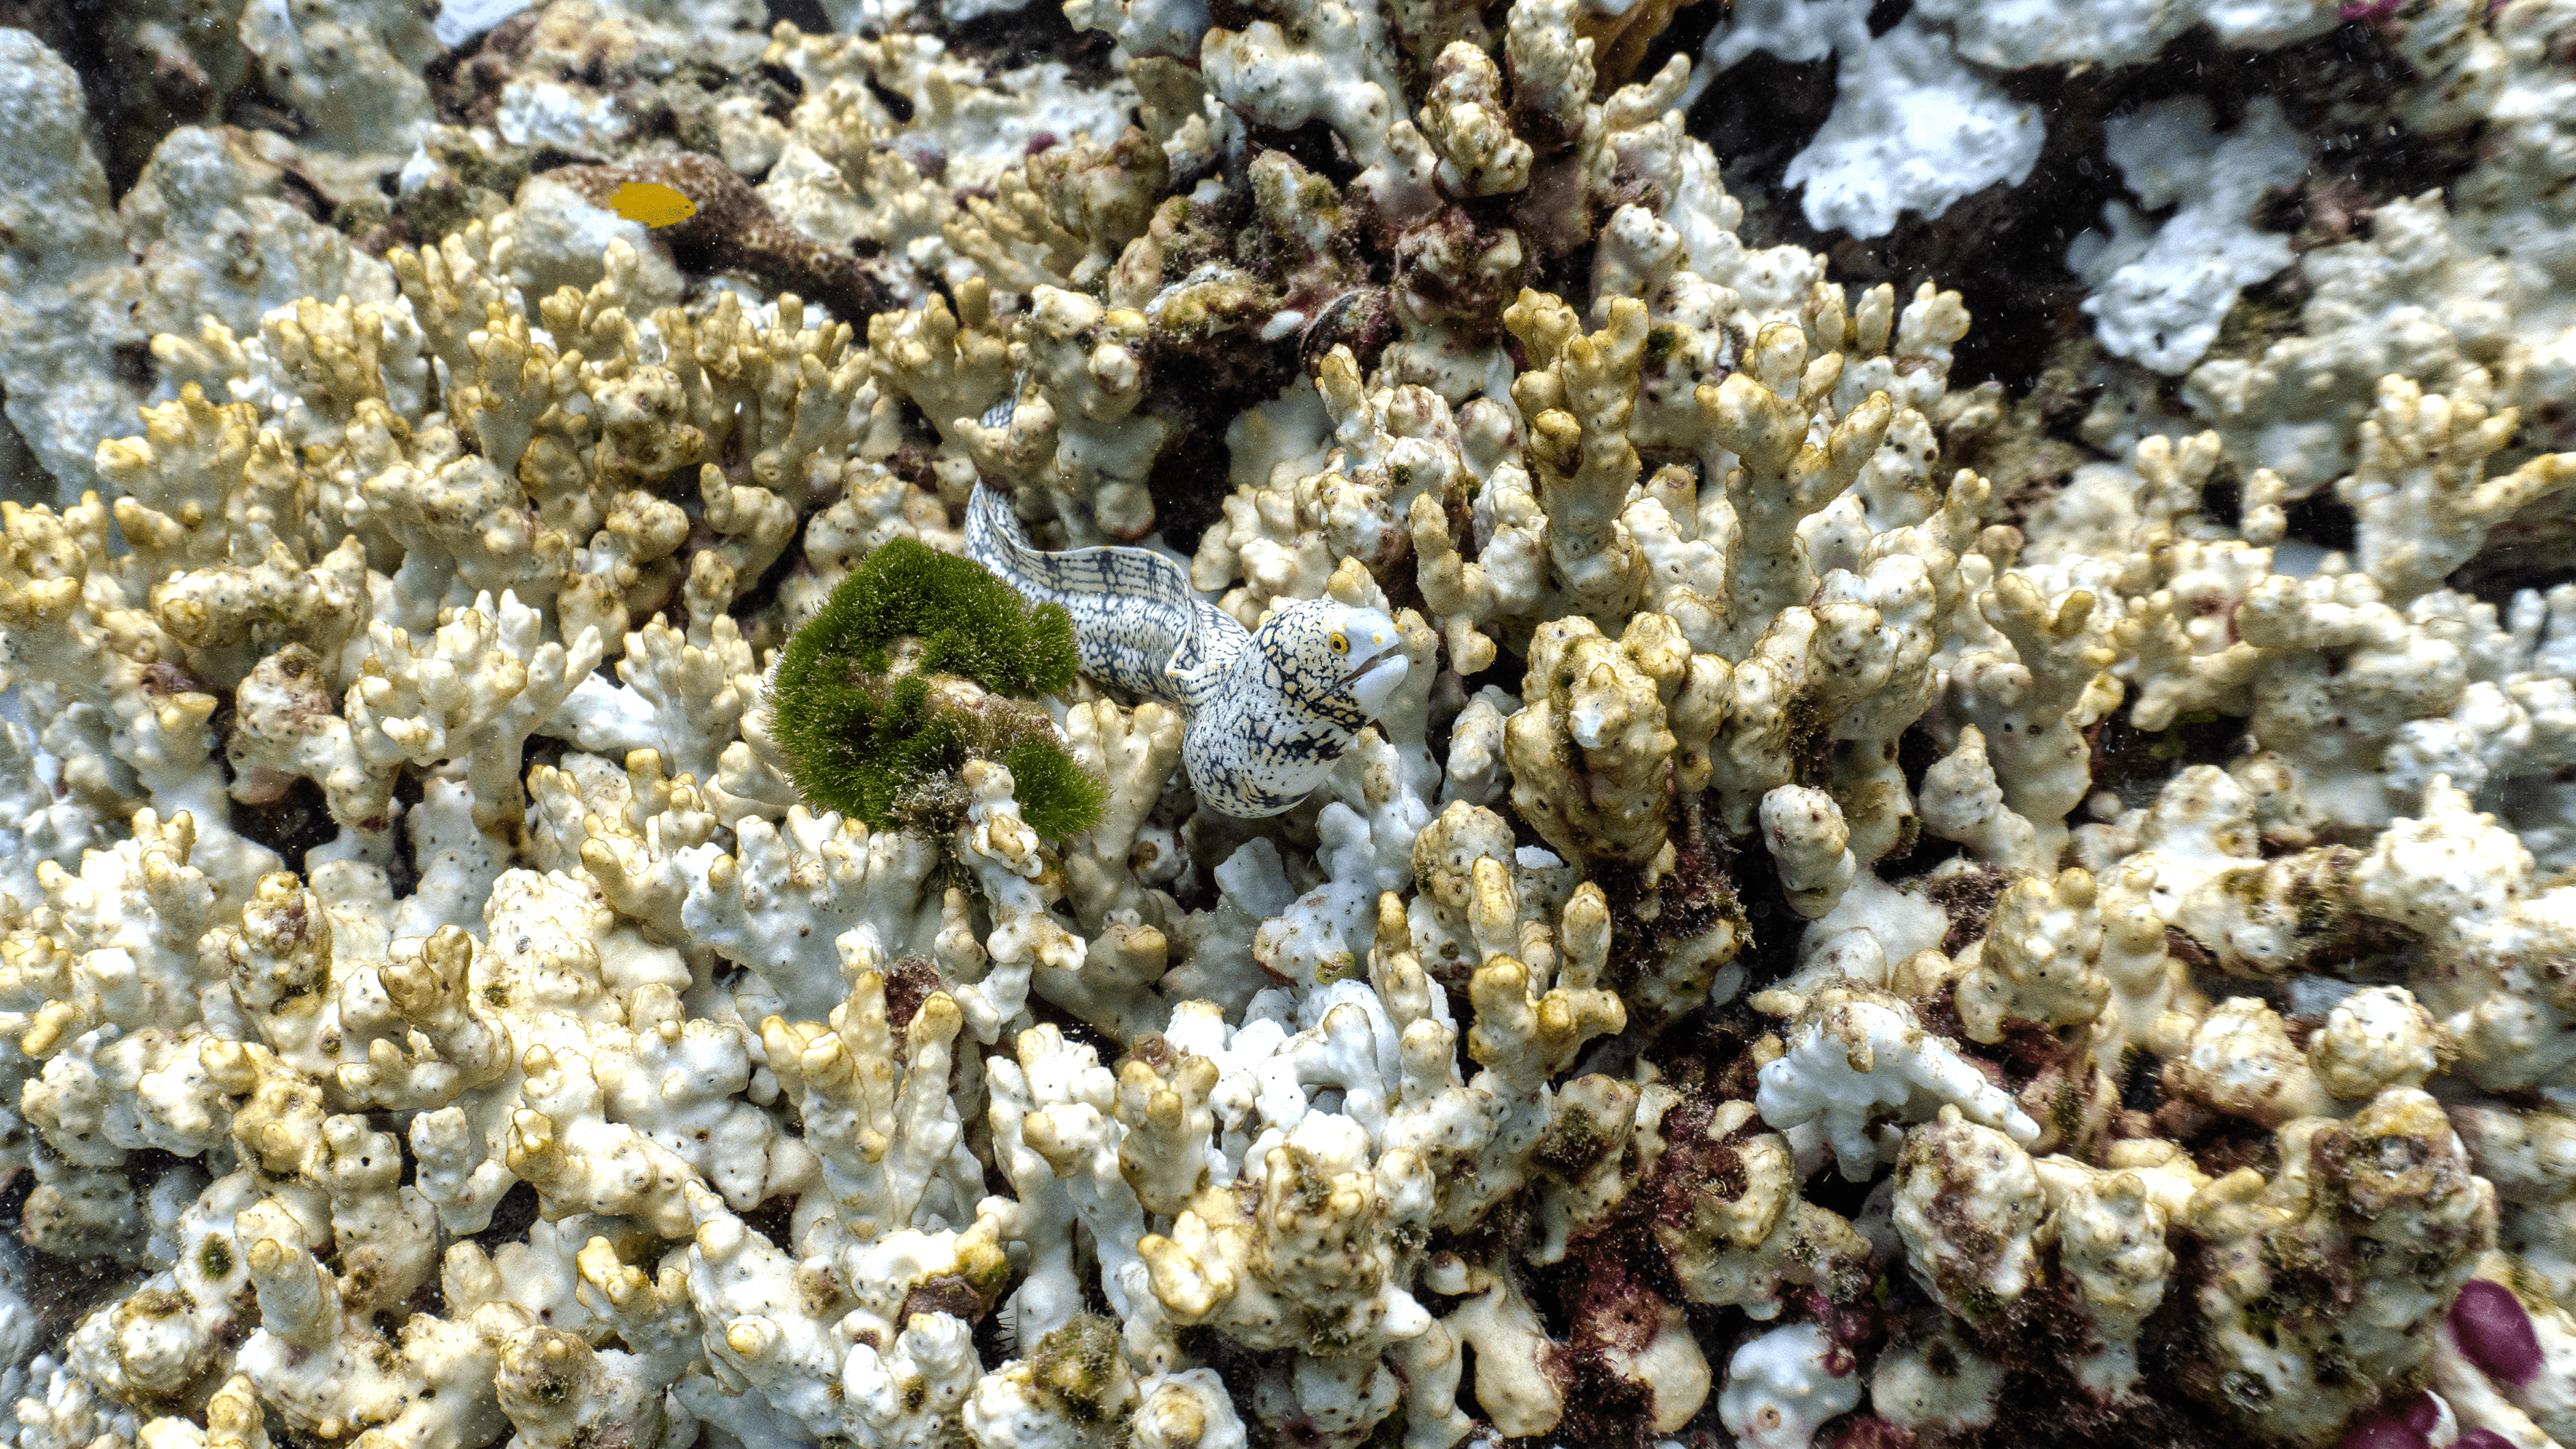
x=1074, y=433
x=396, y=844
x=1577, y=396
x=2421, y=492
x=1612, y=734
x=2038, y=961
x=1746, y=1237
x=1762, y=414
x=2386, y=1206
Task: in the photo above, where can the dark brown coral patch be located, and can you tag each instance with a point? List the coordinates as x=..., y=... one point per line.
x=735, y=231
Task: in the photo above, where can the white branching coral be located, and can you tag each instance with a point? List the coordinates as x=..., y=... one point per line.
x=1855, y=1054
x=2123, y=830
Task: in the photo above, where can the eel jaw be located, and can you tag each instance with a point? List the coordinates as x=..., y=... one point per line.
x=1374, y=677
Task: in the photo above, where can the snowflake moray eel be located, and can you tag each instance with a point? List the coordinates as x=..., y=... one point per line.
x=1269, y=710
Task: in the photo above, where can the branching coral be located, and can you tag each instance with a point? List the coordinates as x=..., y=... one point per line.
x=2394, y=1176
x=1507, y=732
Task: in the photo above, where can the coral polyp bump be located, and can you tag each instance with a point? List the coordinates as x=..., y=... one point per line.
x=1311, y=723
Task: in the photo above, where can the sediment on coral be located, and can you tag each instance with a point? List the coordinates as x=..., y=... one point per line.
x=1664, y=830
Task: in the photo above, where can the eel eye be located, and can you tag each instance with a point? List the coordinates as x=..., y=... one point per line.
x=1341, y=645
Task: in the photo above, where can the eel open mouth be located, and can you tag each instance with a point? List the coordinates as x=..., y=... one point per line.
x=1374, y=675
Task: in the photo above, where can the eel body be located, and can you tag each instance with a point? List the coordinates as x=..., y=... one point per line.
x=1268, y=710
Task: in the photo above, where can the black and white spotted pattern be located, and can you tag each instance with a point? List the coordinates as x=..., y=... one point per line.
x=1268, y=710
x=1137, y=623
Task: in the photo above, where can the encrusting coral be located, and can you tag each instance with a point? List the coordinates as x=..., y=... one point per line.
x=1250, y=737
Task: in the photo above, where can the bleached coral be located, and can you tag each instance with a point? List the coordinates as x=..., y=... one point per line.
x=433, y=1016
x=2161, y=295
x=1960, y=132
x=2408, y=1190
x=1781, y=1387
x=1854, y=1053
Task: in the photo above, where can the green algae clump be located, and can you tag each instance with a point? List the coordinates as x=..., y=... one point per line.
x=920, y=662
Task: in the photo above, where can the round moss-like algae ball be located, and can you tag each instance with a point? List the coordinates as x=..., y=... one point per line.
x=919, y=662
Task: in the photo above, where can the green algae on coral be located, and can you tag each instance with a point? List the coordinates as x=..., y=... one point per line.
x=920, y=662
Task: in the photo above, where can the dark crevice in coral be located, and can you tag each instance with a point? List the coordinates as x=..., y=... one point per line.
x=2222, y=499
x=1756, y=115
x=2219, y=1144
x=1647, y=929
x=1240, y=1370
x=1505, y=673
x=1918, y=850
x=1707, y=1054
x=298, y=188
x=1086, y=1260
x=1198, y=387
x=402, y=873
x=1189, y=487
x=772, y=1220
x=806, y=15
x=1077, y=1032
x=555, y=158
x=898, y=106
x=1314, y=146
x=1769, y=951
x=1567, y=274
x=2175, y=1346
x=2340, y=88
x=2142, y=1086
x=2324, y=520
x=1827, y=1188
x=2135, y=764
x=116, y=101
x=2003, y=248
x=541, y=749
x=1687, y=35
x=62, y=1291
x=253, y=109
x=2029, y=453
x=1968, y=898
x=23, y=480
x=2508, y=565
x=454, y=79
x=994, y=1340
x=291, y=824
x=2041, y=1405
x=1033, y=34
x=511, y=1218
x=1466, y=1401
x=133, y=364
